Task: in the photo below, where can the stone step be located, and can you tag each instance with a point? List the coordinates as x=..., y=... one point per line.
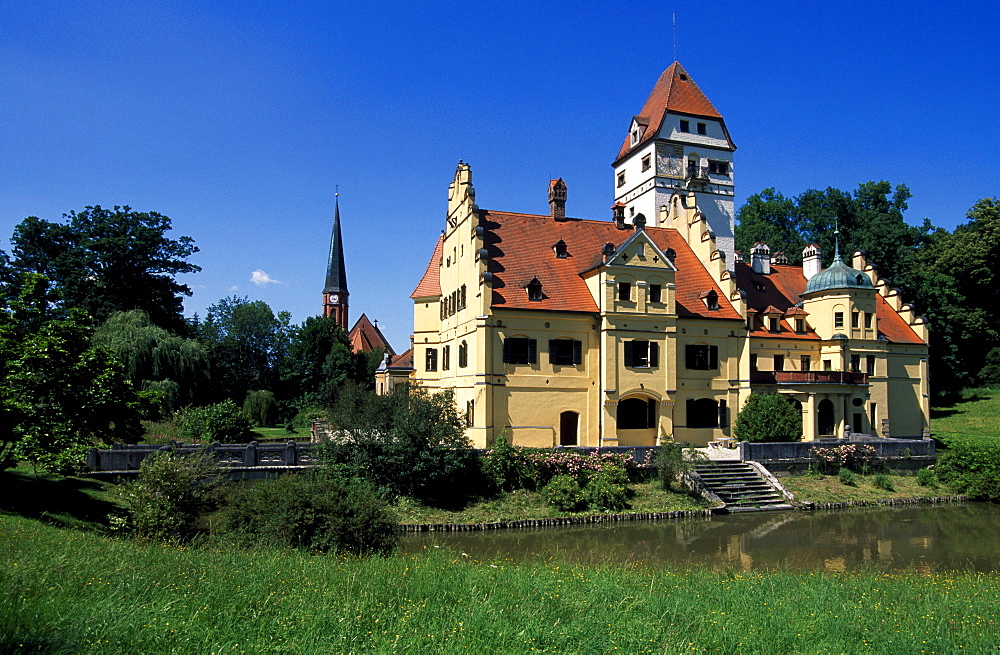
x=741, y=487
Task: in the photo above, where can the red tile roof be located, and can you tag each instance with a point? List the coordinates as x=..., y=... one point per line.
x=782, y=289
x=520, y=249
x=675, y=91
x=366, y=337
x=402, y=361
x=430, y=283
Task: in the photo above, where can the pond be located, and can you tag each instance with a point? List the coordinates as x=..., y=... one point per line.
x=918, y=538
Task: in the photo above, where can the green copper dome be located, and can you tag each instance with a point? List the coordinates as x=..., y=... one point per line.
x=838, y=276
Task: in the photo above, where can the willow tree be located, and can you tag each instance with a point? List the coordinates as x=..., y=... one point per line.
x=155, y=359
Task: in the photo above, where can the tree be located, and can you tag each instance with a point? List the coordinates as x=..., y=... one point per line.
x=62, y=395
x=318, y=362
x=768, y=417
x=247, y=342
x=108, y=260
x=157, y=360
x=408, y=442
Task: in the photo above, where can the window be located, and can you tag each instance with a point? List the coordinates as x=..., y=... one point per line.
x=773, y=324
x=870, y=364
x=470, y=408
x=868, y=320
x=856, y=363
x=646, y=163
x=670, y=254
x=723, y=415
x=621, y=179
x=636, y=414
x=534, y=290
x=717, y=167
x=779, y=362
x=463, y=355
x=624, y=291
x=461, y=297
x=838, y=319
x=750, y=322
x=446, y=358
x=635, y=136
x=753, y=362
x=642, y=354
x=685, y=126
x=855, y=320
x=711, y=299
x=827, y=365
x=432, y=359
x=702, y=128
x=520, y=350
x=701, y=358
x=805, y=363
x=654, y=292
x=800, y=325
x=560, y=249
x=702, y=413
x=565, y=352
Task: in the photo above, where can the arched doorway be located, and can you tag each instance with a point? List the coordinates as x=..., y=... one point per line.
x=825, y=417
x=637, y=419
x=569, y=423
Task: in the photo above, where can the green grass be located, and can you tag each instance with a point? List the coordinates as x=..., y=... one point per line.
x=976, y=415
x=829, y=488
x=68, y=591
x=280, y=434
x=517, y=505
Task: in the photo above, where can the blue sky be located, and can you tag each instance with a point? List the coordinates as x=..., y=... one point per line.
x=236, y=119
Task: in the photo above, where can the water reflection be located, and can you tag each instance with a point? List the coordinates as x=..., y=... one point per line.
x=914, y=538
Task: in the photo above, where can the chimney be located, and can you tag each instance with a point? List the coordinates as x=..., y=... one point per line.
x=811, y=264
x=618, y=215
x=557, y=199
x=760, y=259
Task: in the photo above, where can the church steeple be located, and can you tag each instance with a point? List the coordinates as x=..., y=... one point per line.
x=335, y=292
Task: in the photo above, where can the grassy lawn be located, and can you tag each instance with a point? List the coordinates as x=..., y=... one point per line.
x=68, y=591
x=977, y=414
x=829, y=489
x=649, y=497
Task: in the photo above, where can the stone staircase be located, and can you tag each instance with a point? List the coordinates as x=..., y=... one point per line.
x=741, y=487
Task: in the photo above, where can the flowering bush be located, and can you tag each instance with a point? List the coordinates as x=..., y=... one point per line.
x=563, y=492
x=516, y=467
x=857, y=457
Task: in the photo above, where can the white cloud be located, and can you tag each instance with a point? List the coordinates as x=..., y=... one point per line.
x=233, y=289
x=260, y=278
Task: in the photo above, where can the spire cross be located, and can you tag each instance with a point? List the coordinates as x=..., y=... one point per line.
x=836, y=240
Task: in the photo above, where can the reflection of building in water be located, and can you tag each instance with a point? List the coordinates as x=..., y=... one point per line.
x=835, y=564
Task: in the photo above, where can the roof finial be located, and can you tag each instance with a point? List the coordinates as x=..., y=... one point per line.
x=674, y=14
x=836, y=240
x=336, y=190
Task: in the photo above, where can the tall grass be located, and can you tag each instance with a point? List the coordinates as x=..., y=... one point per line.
x=76, y=592
x=976, y=414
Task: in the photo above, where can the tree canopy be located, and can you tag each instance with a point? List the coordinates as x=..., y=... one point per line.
x=107, y=260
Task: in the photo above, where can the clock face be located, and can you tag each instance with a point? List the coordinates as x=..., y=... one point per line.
x=334, y=298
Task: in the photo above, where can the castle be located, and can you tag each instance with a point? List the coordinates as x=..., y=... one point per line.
x=575, y=332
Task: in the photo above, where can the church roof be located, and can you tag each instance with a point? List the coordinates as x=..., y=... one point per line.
x=674, y=92
x=519, y=248
x=366, y=337
x=336, y=272
x=430, y=283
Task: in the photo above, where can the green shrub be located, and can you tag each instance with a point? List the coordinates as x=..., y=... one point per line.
x=846, y=476
x=314, y=511
x=564, y=493
x=883, y=481
x=260, y=408
x=607, y=490
x=508, y=467
x=768, y=417
x=223, y=422
x=971, y=467
x=170, y=493
x=925, y=478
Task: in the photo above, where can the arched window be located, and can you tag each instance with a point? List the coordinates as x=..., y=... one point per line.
x=463, y=355
x=636, y=414
x=702, y=413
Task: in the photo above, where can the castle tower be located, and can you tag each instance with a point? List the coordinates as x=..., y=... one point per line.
x=335, y=292
x=678, y=144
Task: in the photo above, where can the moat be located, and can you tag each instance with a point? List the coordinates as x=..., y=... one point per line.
x=919, y=538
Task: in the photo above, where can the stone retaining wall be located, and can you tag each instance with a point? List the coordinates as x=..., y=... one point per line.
x=563, y=520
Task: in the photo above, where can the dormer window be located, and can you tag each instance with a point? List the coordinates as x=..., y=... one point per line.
x=685, y=126
x=635, y=135
x=711, y=299
x=534, y=289
x=773, y=324
x=560, y=249
x=671, y=254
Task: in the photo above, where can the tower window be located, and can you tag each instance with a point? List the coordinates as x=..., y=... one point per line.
x=432, y=359
x=716, y=167
x=702, y=128
x=646, y=163
x=654, y=292
x=446, y=358
x=870, y=364
x=868, y=320
x=685, y=126
x=855, y=320
x=621, y=179
x=624, y=291
x=838, y=319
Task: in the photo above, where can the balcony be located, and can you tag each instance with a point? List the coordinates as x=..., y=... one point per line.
x=808, y=377
x=697, y=173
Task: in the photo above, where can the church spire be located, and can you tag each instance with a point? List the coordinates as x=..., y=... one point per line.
x=335, y=292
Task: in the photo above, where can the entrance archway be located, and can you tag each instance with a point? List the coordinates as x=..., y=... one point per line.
x=569, y=423
x=825, y=418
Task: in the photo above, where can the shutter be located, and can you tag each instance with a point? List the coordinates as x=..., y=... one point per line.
x=577, y=352
x=650, y=413
x=532, y=351
x=690, y=418
x=506, y=351
x=723, y=415
x=690, y=357
x=628, y=353
x=654, y=354
x=552, y=351
x=713, y=357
